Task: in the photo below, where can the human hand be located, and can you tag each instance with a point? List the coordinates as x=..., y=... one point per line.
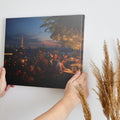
x=71, y=93
x=64, y=107
x=3, y=85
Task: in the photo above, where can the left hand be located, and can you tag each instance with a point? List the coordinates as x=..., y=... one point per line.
x=3, y=85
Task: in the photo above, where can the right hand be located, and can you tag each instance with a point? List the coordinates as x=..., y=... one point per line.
x=71, y=92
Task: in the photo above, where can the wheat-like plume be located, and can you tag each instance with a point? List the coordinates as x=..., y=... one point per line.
x=86, y=109
x=108, y=86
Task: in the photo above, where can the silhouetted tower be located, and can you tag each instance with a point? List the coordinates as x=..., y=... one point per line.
x=22, y=46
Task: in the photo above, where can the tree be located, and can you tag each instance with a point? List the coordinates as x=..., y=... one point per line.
x=67, y=30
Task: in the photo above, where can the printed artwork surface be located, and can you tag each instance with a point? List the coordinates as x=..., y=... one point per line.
x=43, y=51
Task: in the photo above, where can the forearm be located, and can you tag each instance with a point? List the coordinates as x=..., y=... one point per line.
x=59, y=111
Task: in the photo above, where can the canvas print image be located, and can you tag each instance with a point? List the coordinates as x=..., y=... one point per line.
x=43, y=51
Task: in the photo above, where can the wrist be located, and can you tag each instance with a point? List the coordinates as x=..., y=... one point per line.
x=67, y=105
x=71, y=100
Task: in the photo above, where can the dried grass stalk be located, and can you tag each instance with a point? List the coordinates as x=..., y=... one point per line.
x=108, y=88
x=86, y=109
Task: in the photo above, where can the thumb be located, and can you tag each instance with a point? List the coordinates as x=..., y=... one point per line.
x=75, y=76
x=3, y=73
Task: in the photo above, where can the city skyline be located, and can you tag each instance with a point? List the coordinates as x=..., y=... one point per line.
x=30, y=29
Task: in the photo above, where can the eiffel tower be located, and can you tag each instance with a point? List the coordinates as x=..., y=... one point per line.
x=22, y=46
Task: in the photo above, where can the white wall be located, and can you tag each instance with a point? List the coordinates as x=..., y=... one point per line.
x=102, y=22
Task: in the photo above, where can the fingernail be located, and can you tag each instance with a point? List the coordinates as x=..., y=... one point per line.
x=3, y=69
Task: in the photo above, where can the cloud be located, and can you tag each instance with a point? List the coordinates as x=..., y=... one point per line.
x=49, y=43
x=29, y=40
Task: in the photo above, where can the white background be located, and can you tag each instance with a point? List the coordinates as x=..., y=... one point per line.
x=102, y=22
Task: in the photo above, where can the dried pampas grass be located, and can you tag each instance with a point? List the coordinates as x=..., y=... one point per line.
x=108, y=84
x=86, y=110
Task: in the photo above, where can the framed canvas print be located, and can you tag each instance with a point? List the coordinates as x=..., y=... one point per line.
x=43, y=51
